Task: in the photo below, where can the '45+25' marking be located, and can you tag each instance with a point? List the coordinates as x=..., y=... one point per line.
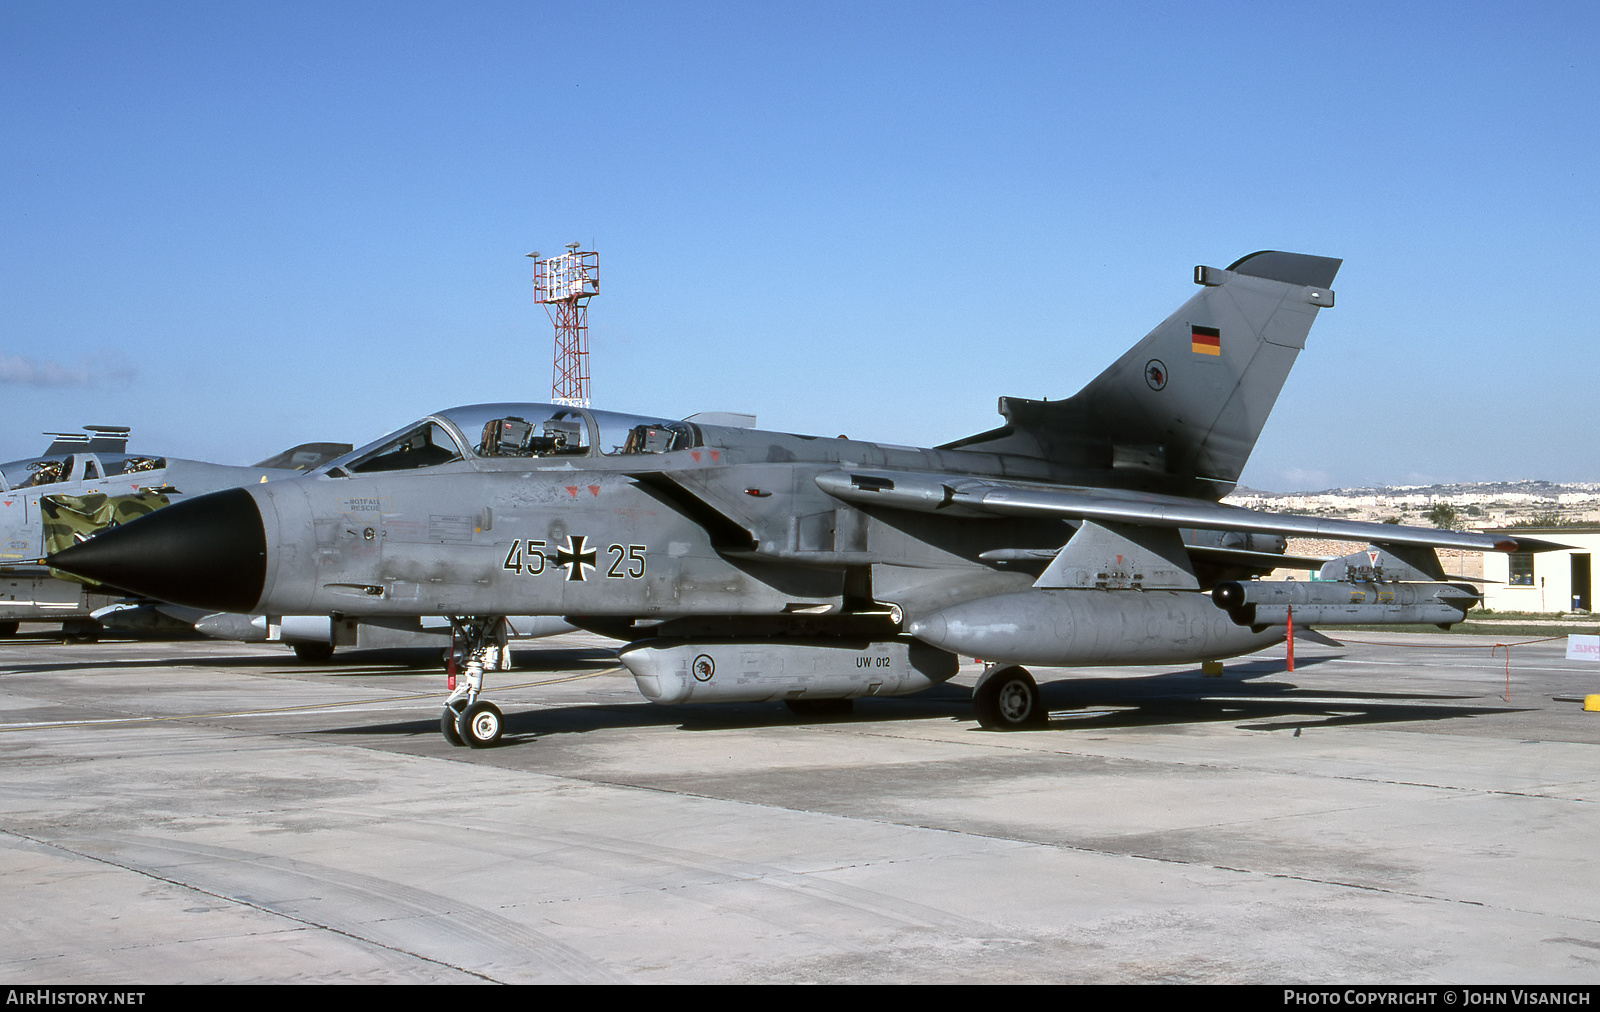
x=627, y=563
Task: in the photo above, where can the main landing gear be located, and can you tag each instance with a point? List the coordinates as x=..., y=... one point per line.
x=1007, y=699
x=480, y=644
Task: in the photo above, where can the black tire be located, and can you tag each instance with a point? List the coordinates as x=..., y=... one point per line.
x=820, y=708
x=9, y=629
x=313, y=653
x=481, y=724
x=447, y=726
x=1008, y=700
x=81, y=631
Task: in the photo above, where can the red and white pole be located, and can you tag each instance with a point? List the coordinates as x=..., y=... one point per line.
x=1291, y=637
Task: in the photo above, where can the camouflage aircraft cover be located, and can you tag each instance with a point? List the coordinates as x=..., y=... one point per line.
x=71, y=519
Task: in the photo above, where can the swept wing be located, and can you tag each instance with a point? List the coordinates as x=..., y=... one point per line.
x=965, y=495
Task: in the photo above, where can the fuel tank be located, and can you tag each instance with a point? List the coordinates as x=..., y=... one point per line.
x=757, y=670
x=1072, y=628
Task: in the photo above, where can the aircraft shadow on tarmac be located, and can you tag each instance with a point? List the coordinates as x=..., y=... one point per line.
x=1248, y=697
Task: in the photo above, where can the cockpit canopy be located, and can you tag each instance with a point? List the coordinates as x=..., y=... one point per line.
x=562, y=434
x=497, y=432
x=37, y=472
x=428, y=445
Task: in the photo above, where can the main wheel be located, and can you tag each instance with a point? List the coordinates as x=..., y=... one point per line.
x=81, y=631
x=480, y=724
x=314, y=653
x=447, y=726
x=1008, y=700
x=820, y=707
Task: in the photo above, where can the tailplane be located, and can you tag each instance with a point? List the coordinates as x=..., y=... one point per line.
x=1181, y=410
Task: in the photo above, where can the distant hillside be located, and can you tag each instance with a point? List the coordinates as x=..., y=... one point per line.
x=1526, y=486
x=1466, y=505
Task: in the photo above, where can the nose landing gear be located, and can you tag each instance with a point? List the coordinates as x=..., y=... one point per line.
x=481, y=643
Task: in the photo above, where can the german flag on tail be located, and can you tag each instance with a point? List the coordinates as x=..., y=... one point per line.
x=1207, y=340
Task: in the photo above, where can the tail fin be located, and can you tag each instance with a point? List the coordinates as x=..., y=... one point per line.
x=1181, y=410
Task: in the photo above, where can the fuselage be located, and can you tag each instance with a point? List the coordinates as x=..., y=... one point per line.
x=631, y=518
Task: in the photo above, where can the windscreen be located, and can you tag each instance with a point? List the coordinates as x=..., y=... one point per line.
x=427, y=445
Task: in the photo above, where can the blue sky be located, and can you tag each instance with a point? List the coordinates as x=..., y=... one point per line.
x=242, y=226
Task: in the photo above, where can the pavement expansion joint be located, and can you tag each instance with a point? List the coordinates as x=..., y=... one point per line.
x=305, y=923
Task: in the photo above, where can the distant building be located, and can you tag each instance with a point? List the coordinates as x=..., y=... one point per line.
x=1558, y=581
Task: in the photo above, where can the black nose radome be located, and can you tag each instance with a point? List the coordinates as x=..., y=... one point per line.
x=205, y=552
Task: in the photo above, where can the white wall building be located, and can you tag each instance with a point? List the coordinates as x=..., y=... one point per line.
x=1558, y=581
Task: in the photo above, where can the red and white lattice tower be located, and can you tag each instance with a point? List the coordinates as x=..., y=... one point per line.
x=565, y=284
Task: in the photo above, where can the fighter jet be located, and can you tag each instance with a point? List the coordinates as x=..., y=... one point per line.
x=747, y=565
x=87, y=482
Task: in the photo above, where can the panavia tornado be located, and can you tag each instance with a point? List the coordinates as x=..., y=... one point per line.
x=744, y=565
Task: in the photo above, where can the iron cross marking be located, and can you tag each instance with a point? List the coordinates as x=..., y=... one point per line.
x=575, y=558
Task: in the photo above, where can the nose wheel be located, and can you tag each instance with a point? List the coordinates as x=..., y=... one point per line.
x=478, y=724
